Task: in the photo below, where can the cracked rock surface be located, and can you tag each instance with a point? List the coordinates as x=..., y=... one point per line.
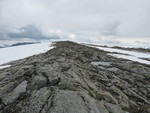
x=63, y=80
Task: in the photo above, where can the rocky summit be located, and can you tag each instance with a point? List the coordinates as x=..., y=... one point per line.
x=74, y=78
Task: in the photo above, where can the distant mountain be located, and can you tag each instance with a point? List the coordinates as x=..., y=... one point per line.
x=5, y=45
x=18, y=44
x=24, y=43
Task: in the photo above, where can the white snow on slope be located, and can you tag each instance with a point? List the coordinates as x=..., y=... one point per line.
x=132, y=55
x=19, y=52
x=5, y=66
x=133, y=58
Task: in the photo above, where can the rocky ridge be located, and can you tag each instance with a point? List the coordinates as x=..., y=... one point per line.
x=74, y=78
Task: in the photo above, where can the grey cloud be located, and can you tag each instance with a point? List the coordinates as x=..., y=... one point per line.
x=111, y=29
x=121, y=18
x=30, y=31
x=2, y=36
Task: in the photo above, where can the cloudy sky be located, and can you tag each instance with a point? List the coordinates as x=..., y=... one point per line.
x=118, y=21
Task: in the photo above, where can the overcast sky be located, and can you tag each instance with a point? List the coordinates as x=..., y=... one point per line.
x=75, y=19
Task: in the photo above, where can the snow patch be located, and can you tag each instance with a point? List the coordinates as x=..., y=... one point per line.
x=133, y=58
x=19, y=52
x=1, y=67
x=131, y=55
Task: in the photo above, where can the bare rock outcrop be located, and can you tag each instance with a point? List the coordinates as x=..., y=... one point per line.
x=63, y=80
